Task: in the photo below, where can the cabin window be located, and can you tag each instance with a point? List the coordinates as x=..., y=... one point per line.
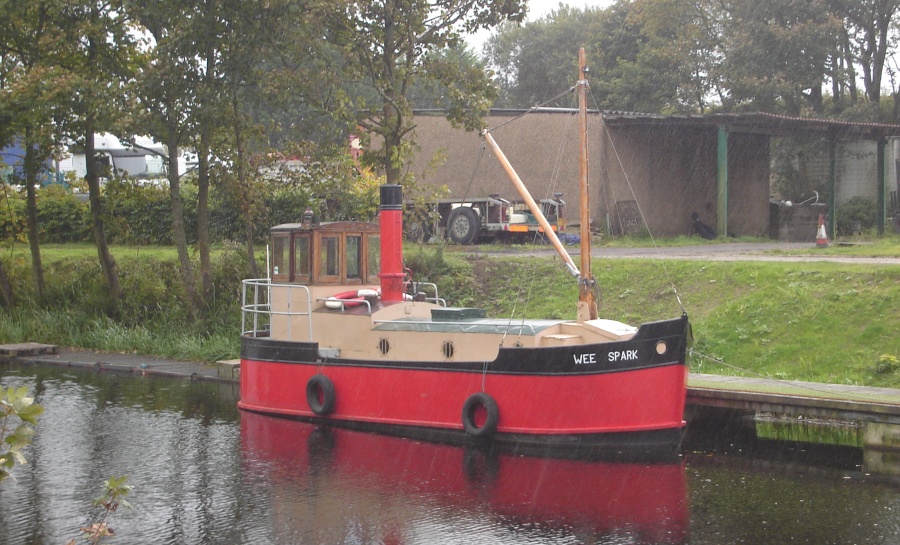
x=329, y=257
x=301, y=258
x=373, y=263
x=354, y=257
x=281, y=261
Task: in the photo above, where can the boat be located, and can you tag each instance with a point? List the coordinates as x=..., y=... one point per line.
x=339, y=332
x=415, y=483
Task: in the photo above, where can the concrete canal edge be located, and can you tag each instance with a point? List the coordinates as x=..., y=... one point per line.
x=877, y=409
x=122, y=363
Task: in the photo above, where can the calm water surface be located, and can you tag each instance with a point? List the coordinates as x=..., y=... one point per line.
x=205, y=473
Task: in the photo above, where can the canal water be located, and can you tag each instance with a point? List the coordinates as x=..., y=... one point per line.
x=205, y=473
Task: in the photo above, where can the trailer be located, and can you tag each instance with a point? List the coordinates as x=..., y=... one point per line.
x=482, y=219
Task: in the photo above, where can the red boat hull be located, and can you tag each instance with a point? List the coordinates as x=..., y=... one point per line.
x=538, y=398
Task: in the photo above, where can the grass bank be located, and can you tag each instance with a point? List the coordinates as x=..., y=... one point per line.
x=819, y=321
x=153, y=318
x=824, y=322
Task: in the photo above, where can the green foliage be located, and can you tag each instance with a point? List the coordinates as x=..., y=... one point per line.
x=62, y=217
x=12, y=214
x=818, y=322
x=855, y=215
x=451, y=272
x=137, y=214
x=18, y=417
x=389, y=48
x=887, y=364
x=114, y=492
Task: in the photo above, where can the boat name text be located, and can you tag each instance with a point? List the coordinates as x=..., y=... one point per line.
x=623, y=355
x=618, y=355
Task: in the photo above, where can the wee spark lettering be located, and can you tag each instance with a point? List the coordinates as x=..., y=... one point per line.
x=585, y=359
x=623, y=355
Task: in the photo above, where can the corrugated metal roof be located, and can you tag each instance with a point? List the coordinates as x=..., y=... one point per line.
x=750, y=122
x=756, y=122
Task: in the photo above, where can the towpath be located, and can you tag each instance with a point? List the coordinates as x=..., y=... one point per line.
x=731, y=251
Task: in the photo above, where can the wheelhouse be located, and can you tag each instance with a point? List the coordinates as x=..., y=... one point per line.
x=340, y=253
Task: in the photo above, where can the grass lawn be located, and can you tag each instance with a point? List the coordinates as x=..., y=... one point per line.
x=814, y=321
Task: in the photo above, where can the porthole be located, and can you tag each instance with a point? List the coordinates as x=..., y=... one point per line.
x=448, y=350
x=384, y=346
x=661, y=347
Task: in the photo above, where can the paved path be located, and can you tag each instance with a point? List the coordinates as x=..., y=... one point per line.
x=732, y=251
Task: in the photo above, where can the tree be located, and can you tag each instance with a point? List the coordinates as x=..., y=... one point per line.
x=276, y=82
x=777, y=52
x=535, y=62
x=101, y=55
x=678, y=62
x=391, y=44
x=35, y=87
x=869, y=24
x=164, y=95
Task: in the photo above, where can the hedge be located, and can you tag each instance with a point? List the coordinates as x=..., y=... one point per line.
x=142, y=214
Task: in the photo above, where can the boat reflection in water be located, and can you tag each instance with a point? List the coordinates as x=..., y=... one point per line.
x=334, y=485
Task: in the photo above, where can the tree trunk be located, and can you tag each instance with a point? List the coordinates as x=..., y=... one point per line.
x=243, y=184
x=203, y=153
x=203, y=215
x=6, y=292
x=178, y=234
x=32, y=167
x=851, y=70
x=107, y=262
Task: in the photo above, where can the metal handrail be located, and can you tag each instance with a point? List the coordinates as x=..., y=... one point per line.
x=262, y=306
x=436, y=299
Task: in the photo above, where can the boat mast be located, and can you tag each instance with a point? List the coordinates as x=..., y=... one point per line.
x=587, y=306
x=532, y=205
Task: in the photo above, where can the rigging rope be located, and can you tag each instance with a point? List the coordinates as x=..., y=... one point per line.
x=638, y=204
x=532, y=109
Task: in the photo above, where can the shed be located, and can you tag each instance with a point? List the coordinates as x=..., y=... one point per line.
x=645, y=168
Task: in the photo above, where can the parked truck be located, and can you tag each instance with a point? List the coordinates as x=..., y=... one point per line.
x=482, y=219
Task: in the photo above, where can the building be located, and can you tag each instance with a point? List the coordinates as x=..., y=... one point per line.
x=647, y=171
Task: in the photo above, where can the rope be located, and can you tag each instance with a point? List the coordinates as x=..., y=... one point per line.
x=640, y=210
x=474, y=171
x=532, y=109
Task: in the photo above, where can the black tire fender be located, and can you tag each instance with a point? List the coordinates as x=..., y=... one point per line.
x=472, y=404
x=463, y=224
x=320, y=395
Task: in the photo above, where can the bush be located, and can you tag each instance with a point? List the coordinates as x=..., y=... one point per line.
x=136, y=214
x=855, y=215
x=12, y=215
x=62, y=217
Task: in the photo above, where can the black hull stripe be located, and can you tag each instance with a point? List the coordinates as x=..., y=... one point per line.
x=640, y=352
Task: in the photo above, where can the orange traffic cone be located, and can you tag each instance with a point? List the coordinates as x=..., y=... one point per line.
x=821, y=236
